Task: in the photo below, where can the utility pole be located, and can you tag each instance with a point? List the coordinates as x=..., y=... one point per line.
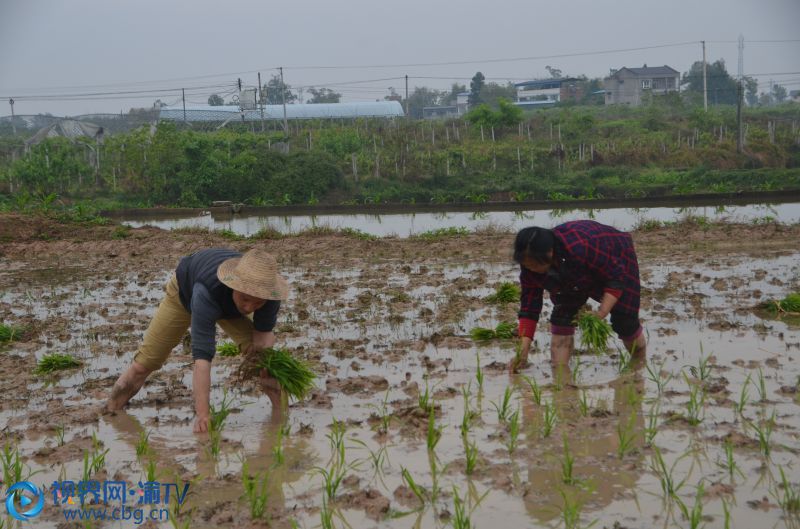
x=705, y=79
x=13, y=125
x=283, y=99
x=740, y=129
x=183, y=97
x=741, y=58
x=407, y=95
x=261, y=101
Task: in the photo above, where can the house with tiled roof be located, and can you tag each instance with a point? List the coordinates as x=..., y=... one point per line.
x=629, y=86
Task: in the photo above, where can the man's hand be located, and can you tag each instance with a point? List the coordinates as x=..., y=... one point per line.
x=520, y=360
x=263, y=340
x=599, y=313
x=202, y=423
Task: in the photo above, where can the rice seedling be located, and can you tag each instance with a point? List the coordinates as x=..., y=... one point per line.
x=424, y=399
x=228, y=349
x=460, y=518
x=594, y=332
x=696, y=405
x=655, y=374
x=9, y=333
x=730, y=463
x=624, y=359
x=789, y=304
x=536, y=391
x=571, y=511
x=513, y=432
x=416, y=489
x=382, y=411
x=761, y=386
x=277, y=450
x=151, y=470
x=567, y=465
x=703, y=369
x=379, y=459
x=51, y=363
x=787, y=495
x=143, y=444
x=626, y=436
x=651, y=428
x=471, y=455
x=469, y=415
x=479, y=375
x=434, y=432
x=558, y=377
x=326, y=515
x=669, y=485
x=294, y=376
x=255, y=491
x=506, y=293
x=583, y=403
x=726, y=514
x=764, y=433
x=336, y=440
x=13, y=467
x=695, y=515
x=98, y=455
x=504, y=407
x=549, y=420
x=331, y=479
x=60, y=434
x=744, y=395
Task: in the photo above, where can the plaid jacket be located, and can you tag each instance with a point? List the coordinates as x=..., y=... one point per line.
x=591, y=259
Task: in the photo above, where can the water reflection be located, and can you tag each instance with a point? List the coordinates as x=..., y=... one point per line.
x=407, y=224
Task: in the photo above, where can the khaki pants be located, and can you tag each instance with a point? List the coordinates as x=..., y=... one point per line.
x=170, y=323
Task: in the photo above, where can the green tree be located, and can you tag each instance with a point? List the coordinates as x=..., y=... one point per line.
x=215, y=100
x=323, y=95
x=452, y=96
x=779, y=93
x=751, y=91
x=721, y=86
x=555, y=73
x=421, y=97
x=271, y=92
x=475, y=88
x=492, y=93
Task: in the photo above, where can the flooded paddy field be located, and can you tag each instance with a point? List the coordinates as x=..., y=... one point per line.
x=412, y=423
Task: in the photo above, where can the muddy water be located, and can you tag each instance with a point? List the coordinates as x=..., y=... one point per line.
x=379, y=334
x=403, y=225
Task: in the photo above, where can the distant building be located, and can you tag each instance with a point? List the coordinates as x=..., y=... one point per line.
x=548, y=92
x=442, y=111
x=794, y=96
x=627, y=86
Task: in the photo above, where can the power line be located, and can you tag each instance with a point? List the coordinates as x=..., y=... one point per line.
x=482, y=61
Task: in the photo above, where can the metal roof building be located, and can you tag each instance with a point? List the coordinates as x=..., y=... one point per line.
x=376, y=109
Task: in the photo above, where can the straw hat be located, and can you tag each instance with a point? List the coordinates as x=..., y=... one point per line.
x=255, y=274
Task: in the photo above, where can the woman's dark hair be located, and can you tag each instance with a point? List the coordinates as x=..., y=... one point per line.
x=533, y=243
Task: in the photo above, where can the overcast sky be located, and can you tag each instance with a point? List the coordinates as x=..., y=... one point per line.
x=66, y=47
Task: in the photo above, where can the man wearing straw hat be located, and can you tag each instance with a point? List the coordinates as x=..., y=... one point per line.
x=209, y=287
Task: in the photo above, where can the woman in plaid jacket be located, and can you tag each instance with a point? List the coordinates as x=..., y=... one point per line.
x=576, y=261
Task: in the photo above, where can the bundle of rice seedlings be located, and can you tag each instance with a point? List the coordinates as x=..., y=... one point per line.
x=505, y=293
x=294, y=376
x=228, y=349
x=55, y=362
x=789, y=304
x=481, y=334
x=503, y=331
x=594, y=332
x=9, y=333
